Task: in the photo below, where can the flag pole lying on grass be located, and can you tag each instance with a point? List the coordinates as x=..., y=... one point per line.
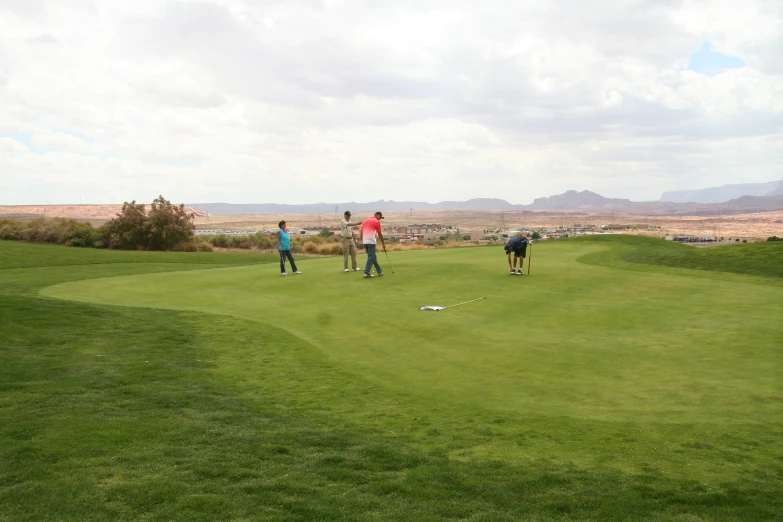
x=439, y=308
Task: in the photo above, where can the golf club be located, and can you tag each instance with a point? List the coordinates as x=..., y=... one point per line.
x=387, y=258
x=439, y=308
x=530, y=257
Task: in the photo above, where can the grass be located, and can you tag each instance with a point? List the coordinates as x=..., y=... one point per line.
x=759, y=259
x=205, y=386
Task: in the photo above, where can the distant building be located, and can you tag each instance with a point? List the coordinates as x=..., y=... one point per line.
x=219, y=231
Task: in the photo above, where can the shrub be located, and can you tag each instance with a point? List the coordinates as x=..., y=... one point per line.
x=9, y=231
x=775, y=238
x=168, y=224
x=318, y=240
x=82, y=235
x=239, y=242
x=55, y=230
x=264, y=241
x=330, y=249
x=192, y=246
x=165, y=226
x=220, y=240
x=128, y=230
x=185, y=246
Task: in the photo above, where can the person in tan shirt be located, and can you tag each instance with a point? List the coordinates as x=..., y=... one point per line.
x=348, y=241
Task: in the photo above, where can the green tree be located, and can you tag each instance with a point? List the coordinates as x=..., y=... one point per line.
x=535, y=235
x=81, y=235
x=128, y=230
x=165, y=226
x=168, y=224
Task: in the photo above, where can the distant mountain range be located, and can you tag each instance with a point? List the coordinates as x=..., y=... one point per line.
x=370, y=206
x=751, y=197
x=591, y=202
x=724, y=193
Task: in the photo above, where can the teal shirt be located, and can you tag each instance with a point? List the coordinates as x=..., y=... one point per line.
x=285, y=239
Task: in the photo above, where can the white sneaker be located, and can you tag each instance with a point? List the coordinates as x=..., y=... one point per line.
x=367, y=276
x=283, y=274
x=513, y=273
x=297, y=272
x=519, y=272
x=356, y=270
x=346, y=270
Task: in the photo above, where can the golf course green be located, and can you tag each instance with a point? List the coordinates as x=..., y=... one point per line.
x=623, y=378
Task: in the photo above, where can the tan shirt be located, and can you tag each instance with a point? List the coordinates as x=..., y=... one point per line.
x=345, y=229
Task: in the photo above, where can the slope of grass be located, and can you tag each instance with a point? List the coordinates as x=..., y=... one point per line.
x=322, y=398
x=757, y=259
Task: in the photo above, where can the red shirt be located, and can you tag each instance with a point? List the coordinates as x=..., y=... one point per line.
x=370, y=229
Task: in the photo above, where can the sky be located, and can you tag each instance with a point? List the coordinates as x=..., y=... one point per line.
x=307, y=101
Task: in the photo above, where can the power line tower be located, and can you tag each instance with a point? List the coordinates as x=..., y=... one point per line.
x=502, y=221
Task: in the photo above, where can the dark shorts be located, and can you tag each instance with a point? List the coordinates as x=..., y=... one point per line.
x=519, y=252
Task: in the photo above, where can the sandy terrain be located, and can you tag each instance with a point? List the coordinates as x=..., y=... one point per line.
x=744, y=226
x=754, y=226
x=95, y=214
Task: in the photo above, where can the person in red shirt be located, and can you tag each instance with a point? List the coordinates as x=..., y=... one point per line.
x=369, y=234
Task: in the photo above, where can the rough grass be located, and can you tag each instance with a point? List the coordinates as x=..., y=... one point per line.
x=113, y=412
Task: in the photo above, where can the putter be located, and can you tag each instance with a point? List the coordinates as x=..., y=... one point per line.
x=439, y=308
x=387, y=259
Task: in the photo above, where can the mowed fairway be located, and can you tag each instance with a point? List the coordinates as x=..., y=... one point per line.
x=571, y=339
x=593, y=388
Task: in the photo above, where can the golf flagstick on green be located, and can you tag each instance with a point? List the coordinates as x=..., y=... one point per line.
x=439, y=308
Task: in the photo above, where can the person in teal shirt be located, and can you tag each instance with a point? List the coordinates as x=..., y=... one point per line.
x=284, y=247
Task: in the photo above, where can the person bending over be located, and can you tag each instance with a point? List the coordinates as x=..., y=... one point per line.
x=518, y=245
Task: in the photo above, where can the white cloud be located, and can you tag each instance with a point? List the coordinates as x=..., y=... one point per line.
x=309, y=100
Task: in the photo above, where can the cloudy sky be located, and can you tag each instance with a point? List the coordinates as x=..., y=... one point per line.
x=305, y=101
